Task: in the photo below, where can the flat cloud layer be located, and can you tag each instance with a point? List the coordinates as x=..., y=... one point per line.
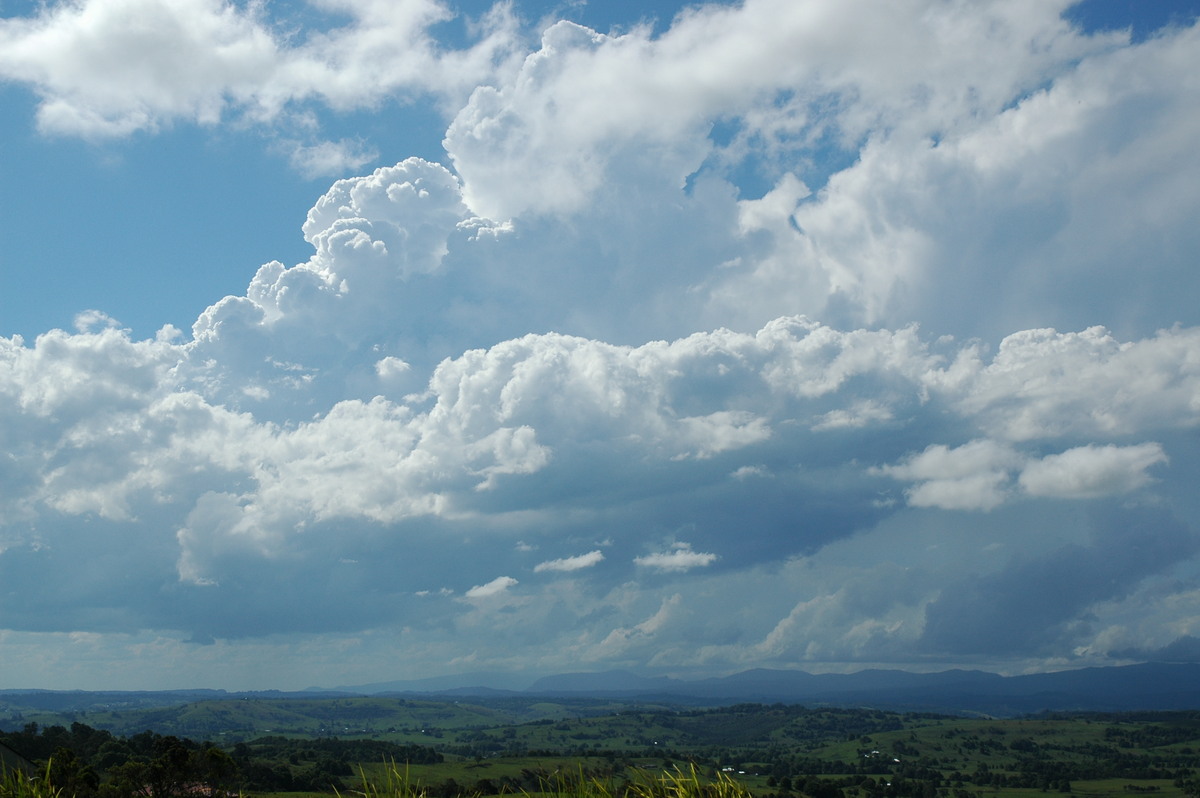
x=574, y=400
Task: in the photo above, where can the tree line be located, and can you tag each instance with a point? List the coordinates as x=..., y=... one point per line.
x=93, y=763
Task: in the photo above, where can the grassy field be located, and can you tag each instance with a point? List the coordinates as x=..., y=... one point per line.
x=515, y=745
x=397, y=719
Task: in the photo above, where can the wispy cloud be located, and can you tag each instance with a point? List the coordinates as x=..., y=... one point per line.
x=493, y=588
x=331, y=158
x=567, y=564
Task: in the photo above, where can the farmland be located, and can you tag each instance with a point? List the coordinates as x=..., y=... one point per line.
x=514, y=745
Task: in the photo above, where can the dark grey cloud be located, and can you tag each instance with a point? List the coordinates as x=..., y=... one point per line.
x=1185, y=648
x=1036, y=606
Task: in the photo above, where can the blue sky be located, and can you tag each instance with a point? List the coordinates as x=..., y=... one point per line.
x=354, y=341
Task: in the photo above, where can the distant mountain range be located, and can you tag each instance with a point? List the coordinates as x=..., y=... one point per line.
x=1147, y=686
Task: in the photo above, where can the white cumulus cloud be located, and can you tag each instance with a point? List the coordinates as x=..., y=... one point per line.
x=679, y=558
x=1089, y=471
x=112, y=67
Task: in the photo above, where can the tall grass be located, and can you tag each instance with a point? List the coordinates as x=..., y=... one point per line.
x=394, y=783
x=678, y=783
x=675, y=783
x=15, y=784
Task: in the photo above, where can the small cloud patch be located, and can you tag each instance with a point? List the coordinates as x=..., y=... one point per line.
x=492, y=588
x=567, y=564
x=679, y=558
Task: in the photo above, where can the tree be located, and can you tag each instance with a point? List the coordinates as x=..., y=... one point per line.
x=71, y=776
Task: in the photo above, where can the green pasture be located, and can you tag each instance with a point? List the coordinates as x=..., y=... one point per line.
x=516, y=745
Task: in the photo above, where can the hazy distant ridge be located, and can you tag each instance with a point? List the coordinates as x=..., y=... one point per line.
x=1146, y=686
x=1143, y=686
x=1132, y=687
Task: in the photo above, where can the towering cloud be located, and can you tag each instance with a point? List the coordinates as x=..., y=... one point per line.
x=929, y=394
